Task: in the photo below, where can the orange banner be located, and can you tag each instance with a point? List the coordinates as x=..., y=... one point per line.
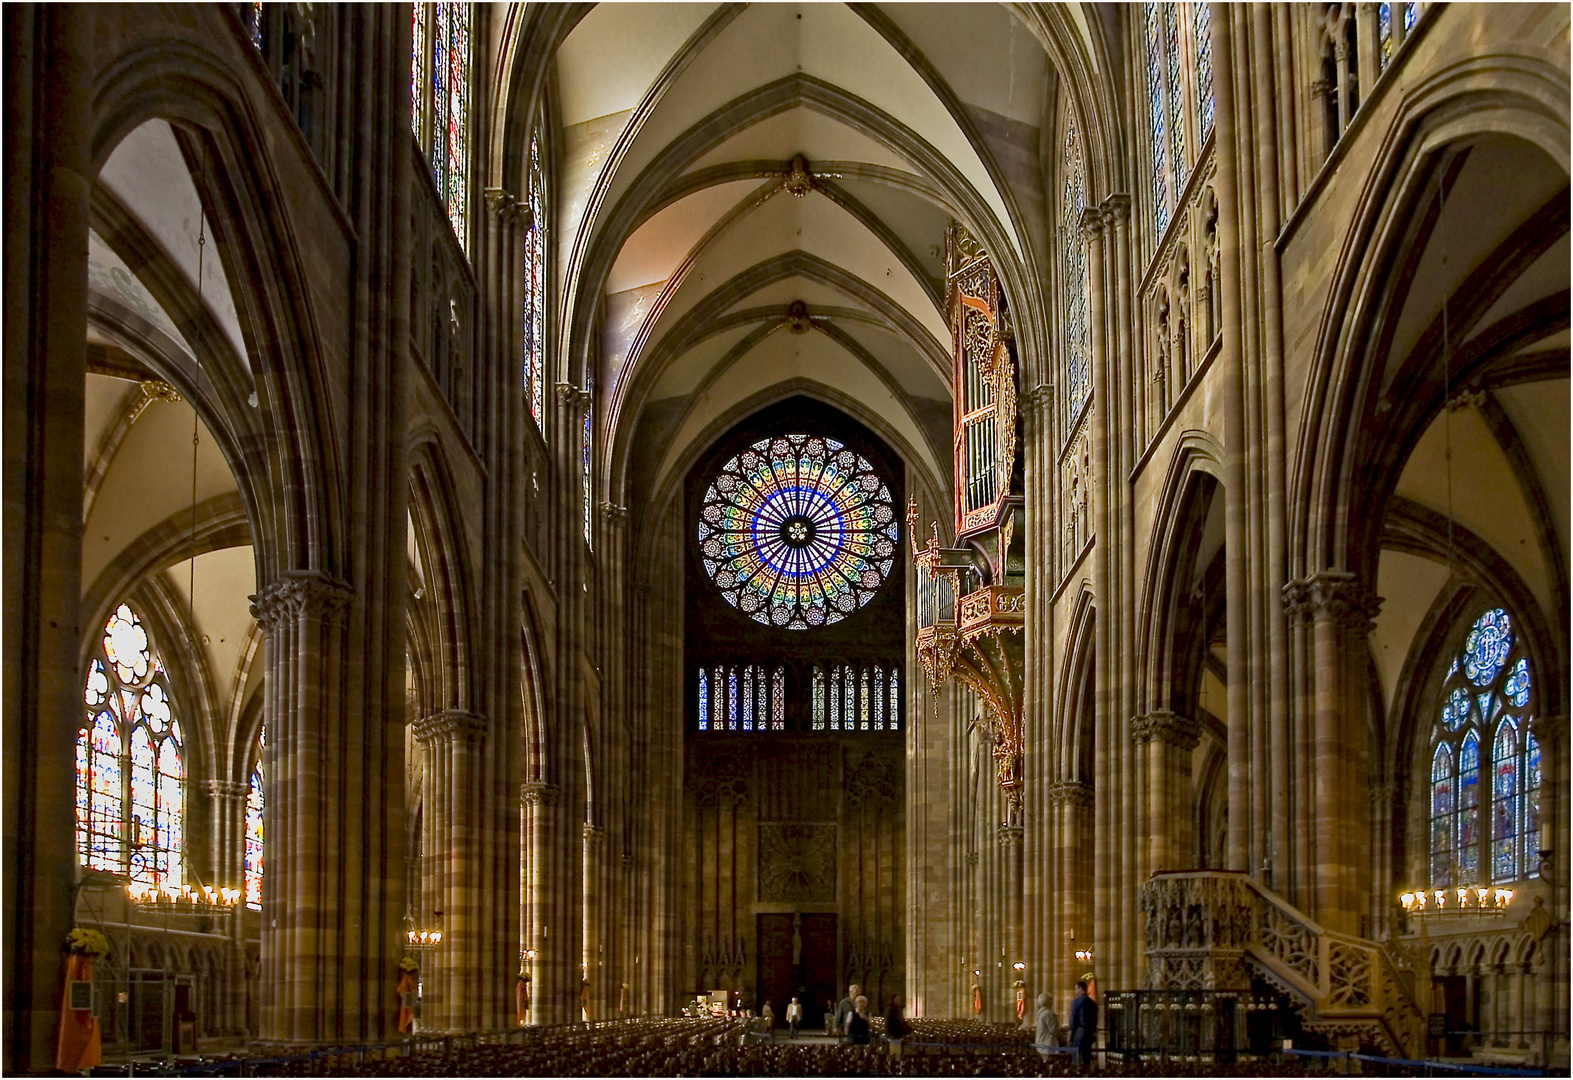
x=406, y=1014
x=78, y=1045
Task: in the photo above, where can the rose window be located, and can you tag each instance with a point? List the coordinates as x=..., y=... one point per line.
x=797, y=531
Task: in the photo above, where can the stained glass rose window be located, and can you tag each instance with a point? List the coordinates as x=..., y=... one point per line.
x=797, y=531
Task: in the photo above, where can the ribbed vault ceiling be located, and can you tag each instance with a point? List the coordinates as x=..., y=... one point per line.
x=682, y=223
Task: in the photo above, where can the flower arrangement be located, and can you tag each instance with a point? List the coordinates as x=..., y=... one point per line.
x=408, y=964
x=83, y=941
x=1018, y=985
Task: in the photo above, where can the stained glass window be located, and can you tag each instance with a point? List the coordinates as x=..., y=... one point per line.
x=1078, y=366
x=254, y=839
x=857, y=697
x=797, y=531
x=440, y=102
x=130, y=799
x=535, y=291
x=1177, y=48
x=584, y=450
x=1483, y=762
x=1156, y=116
x=755, y=698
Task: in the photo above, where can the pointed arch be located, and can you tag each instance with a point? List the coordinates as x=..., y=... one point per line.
x=449, y=604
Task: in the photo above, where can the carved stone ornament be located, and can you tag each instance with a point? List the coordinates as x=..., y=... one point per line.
x=799, y=181
x=1070, y=793
x=1167, y=727
x=450, y=724
x=298, y=594
x=871, y=783
x=797, y=863
x=1333, y=594
x=536, y=793
x=1538, y=921
x=722, y=780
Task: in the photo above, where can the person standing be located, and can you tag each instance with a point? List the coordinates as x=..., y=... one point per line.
x=768, y=1016
x=846, y=1008
x=1084, y=1024
x=794, y=1016
x=1046, y=1035
x=896, y=1027
x=857, y=1027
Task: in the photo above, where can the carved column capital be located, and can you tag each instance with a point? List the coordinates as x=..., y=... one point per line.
x=1164, y=726
x=226, y=789
x=1091, y=223
x=1071, y=793
x=567, y=393
x=1116, y=210
x=501, y=204
x=538, y=793
x=614, y=513
x=1333, y=594
x=593, y=834
x=1009, y=835
x=454, y=724
x=1037, y=401
x=297, y=593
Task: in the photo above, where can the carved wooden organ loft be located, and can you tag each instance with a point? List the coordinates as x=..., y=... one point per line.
x=971, y=594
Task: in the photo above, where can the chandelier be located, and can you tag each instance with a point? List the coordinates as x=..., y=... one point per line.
x=204, y=900
x=1477, y=902
x=421, y=940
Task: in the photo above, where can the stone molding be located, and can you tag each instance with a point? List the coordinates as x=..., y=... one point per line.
x=1009, y=835
x=593, y=834
x=226, y=789
x=1074, y=793
x=614, y=513
x=450, y=724
x=308, y=593
x=1038, y=400
x=504, y=205
x=1166, y=727
x=1336, y=595
x=537, y=793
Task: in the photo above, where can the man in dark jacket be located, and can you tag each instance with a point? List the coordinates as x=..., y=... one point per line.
x=845, y=1009
x=1084, y=1024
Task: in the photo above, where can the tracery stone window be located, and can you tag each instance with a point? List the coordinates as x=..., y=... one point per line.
x=1077, y=374
x=1485, y=769
x=1177, y=50
x=254, y=803
x=742, y=697
x=852, y=697
x=797, y=531
x=130, y=776
x=440, y=102
x=535, y=290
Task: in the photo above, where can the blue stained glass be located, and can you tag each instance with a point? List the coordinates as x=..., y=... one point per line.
x=1073, y=204
x=1531, y=797
x=748, y=698
x=704, y=701
x=1486, y=648
x=1384, y=32
x=1441, y=814
x=1410, y=11
x=731, y=700
x=1518, y=684
x=1158, y=141
x=1176, y=94
x=1205, y=101
x=459, y=119
x=439, y=97
x=795, y=527
x=1487, y=705
x=1505, y=810
x=1469, y=807
x=1456, y=711
x=419, y=55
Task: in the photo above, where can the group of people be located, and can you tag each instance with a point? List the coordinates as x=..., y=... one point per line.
x=1083, y=1025
x=851, y=1020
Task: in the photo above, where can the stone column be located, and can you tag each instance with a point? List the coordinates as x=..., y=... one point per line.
x=455, y=741
x=1073, y=802
x=1010, y=840
x=49, y=174
x=542, y=806
x=1340, y=612
x=227, y=855
x=594, y=961
x=1167, y=740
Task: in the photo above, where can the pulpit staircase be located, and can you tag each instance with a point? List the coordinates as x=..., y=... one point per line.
x=1215, y=930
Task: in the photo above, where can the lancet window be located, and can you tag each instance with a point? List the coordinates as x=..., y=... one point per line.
x=254, y=797
x=130, y=774
x=535, y=291
x=742, y=697
x=853, y=697
x=1176, y=44
x=1077, y=373
x=1485, y=768
x=440, y=102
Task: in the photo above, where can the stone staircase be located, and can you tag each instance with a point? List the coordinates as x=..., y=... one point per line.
x=1215, y=930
